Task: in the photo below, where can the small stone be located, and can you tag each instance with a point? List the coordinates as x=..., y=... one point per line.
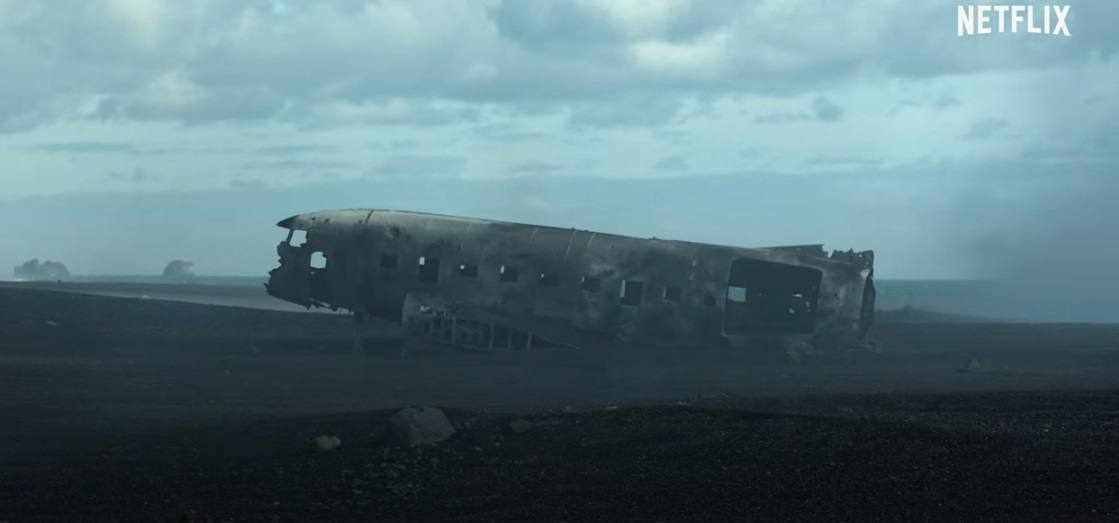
x=520, y=425
x=326, y=443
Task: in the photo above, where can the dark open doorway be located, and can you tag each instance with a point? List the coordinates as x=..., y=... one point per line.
x=770, y=298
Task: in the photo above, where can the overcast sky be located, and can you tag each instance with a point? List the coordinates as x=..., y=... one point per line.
x=135, y=131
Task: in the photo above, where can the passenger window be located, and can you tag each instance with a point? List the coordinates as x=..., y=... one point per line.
x=590, y=284
x=548, y=279
x=631, y=292
x=467, y=270
x=428, y=270
x=509, y=274
x=388, y=261
x=736, y=294
x=673, y=294
x=708, y=300
x=318, y=260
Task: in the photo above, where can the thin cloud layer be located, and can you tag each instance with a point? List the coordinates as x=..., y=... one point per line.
x=437, y=63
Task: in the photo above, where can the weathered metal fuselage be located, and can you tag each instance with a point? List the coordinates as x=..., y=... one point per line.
x=484, y=283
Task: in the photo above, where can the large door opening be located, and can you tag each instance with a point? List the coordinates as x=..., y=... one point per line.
x=770, y=298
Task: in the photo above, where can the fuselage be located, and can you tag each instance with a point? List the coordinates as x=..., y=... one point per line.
x=566, y=285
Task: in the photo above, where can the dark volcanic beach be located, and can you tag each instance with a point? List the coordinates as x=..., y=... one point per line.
x=118, y=408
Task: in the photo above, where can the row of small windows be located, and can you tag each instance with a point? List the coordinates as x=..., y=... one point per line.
x=631, y=293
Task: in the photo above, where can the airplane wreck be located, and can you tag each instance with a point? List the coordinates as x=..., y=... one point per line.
x=485, y=284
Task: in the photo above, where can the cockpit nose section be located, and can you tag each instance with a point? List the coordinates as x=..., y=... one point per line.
x=287, y=222
x=291, y=280
x=301, y=277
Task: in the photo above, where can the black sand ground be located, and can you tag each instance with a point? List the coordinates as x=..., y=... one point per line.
x=125, y=409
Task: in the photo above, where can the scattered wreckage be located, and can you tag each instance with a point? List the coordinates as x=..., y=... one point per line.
x=485, y=284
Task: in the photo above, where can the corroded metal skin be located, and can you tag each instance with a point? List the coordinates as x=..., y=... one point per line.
x=486, y=284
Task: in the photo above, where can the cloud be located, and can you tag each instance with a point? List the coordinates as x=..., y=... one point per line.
x=241, y=184
x=946, y=101
x=705, y=56
x=940, y=103
x=420, y=165
x=396, y=111
x=673, y=163
x=294, y=149
x=843, y=162
x=427, y=62
x=534, y=168
x=137, y=175
x=825, y=110
x=822, y=110
x=87, y=147
x=782, y=117
x=188, y=102
x=986, y=128
x=507, y=133
x=633, y=110
x=298, y=164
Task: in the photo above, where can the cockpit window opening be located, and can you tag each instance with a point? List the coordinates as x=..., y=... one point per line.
x=297, y=237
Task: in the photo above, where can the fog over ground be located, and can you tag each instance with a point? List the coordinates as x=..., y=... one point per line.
x=133, y=132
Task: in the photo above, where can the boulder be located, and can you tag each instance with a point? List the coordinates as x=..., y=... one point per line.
x=520, y=425
x=415, y=426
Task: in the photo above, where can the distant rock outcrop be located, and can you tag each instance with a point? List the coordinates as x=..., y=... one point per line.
x=47, y=270
x=178, y=269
